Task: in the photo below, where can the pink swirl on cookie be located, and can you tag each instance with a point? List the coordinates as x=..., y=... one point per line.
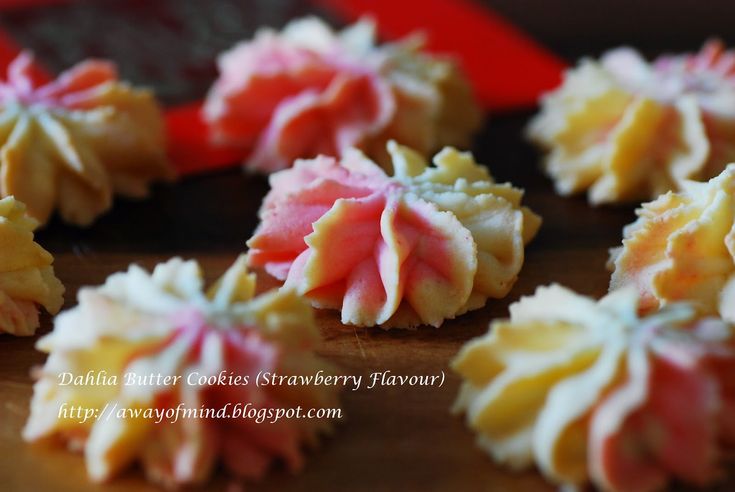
x=418, y=247
x=72, y=143
x=176, y=350
x=307, y=91
x=73, y=89
x=592, y=393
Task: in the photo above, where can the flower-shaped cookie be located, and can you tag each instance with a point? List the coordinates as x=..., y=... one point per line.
x=308, y=90
x=590, y=392
x=626, y=130
x=173, y=349
x=682, y=247
x=418, y=247
x=70, y=144
x=27, y=277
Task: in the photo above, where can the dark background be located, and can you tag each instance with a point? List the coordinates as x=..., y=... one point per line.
x=170, y=44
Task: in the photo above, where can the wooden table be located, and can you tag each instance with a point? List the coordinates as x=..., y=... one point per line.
x=400, y=438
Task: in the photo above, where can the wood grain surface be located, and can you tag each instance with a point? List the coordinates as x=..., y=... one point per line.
x=400, y=438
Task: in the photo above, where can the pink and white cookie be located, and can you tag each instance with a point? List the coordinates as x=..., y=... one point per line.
x=589, y=392
x=623, y=129
x=308, y=90
x=171, y=373
x=70, y=144
x=420, y=246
